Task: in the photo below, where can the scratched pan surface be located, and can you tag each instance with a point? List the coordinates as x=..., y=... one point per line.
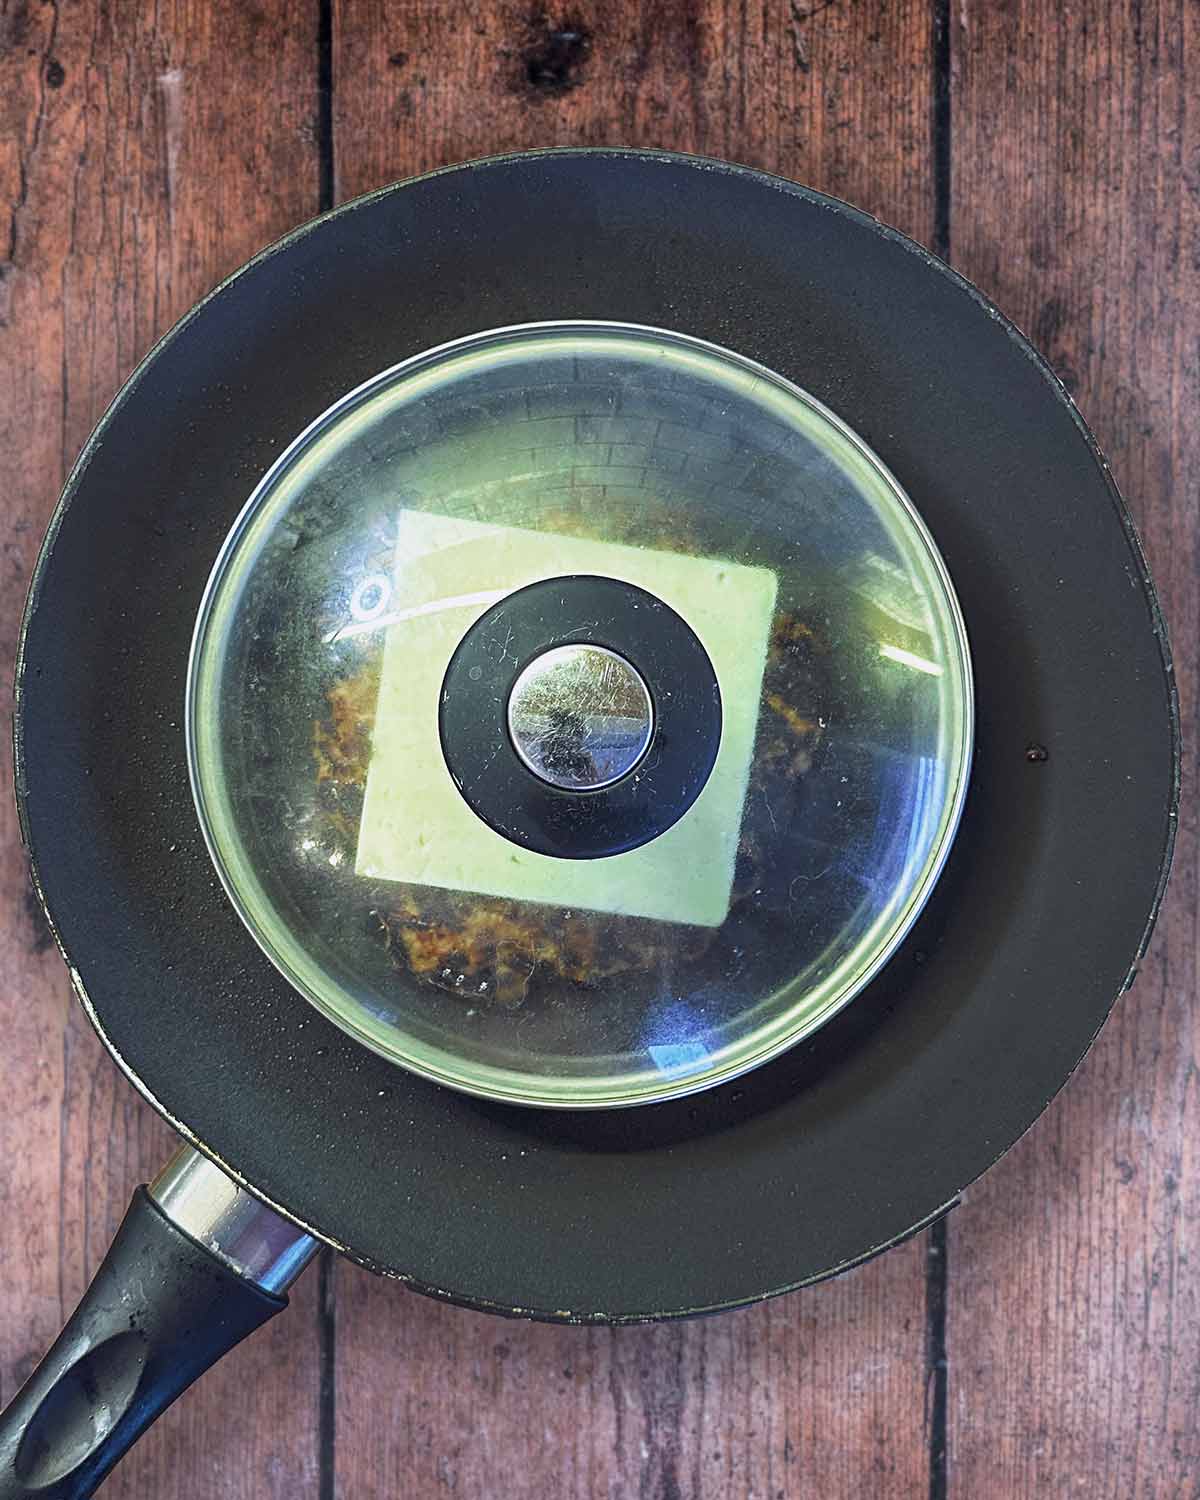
x=869, y=1128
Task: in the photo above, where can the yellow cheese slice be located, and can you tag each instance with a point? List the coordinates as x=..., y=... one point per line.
x=417, y=828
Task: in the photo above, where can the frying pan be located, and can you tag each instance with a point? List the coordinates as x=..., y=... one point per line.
x=845, y=1145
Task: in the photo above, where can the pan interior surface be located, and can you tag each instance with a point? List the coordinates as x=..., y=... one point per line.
x=805, y=719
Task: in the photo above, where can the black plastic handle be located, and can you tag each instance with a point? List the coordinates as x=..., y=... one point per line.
x=159, y=1311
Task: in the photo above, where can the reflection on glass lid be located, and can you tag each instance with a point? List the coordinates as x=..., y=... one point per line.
x=579, y=714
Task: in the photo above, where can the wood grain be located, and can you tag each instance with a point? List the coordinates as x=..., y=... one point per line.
x=819, y=1393
x=838, y=95
x=141, y=158
x=822, y=1393
x=1074, y=1326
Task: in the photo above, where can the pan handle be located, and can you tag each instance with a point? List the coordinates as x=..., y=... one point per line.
x=197, y=1264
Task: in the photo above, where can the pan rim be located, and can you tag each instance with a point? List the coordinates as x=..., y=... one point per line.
x=1143, y=581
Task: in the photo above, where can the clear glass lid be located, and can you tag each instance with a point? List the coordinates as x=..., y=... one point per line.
x=579, y=714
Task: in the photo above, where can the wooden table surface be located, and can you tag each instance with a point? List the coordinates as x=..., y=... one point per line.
x=1046, y=1338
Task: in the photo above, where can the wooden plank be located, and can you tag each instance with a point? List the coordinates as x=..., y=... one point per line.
x=1074, y=1326
x=140, y=160
x=835, y=95
x=821, y=1393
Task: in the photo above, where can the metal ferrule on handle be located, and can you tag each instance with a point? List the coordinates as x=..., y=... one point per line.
x=237, y=1227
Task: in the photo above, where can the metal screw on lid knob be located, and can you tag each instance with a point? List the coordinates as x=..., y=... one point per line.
x=580, y=717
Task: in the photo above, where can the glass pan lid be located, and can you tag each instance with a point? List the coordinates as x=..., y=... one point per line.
x=579, y=714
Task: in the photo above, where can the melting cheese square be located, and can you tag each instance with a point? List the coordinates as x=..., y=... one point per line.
x=417, y=828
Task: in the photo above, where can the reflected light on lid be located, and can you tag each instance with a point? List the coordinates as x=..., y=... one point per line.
x=908, y=659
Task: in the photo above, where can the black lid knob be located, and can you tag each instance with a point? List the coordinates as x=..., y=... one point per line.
x=580, y=717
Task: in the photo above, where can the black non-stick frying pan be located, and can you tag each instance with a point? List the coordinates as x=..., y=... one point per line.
x=862, y=1132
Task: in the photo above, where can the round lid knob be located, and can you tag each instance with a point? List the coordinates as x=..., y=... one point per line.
x=580, y=717
x=560, y=744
